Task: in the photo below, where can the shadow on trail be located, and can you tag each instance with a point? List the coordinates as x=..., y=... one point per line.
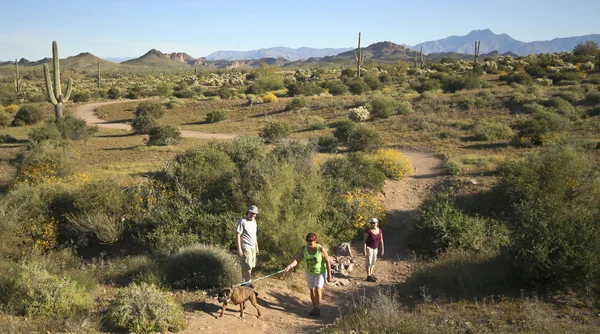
x=120, y=135
x=291, y=304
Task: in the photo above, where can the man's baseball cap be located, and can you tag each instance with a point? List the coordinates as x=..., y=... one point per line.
x=253, y=209
x=373, y=221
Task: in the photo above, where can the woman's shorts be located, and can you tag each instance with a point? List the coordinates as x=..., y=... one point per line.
x=371, y=256
x=249, y=258
x=315, y=281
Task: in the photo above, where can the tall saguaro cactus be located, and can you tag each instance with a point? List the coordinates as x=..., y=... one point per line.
x=415, y=59
x=55, y=95
x=99, y=82
x=422, y=59
x=359, y=56
x=477, y=45
x=18, y=81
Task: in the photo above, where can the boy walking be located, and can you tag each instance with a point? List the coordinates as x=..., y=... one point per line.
x=247, y=244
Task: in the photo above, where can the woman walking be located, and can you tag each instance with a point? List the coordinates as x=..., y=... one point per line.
x=317, y=269
x=373, y=238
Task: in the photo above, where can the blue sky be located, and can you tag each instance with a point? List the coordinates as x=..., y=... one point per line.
x=130, y=28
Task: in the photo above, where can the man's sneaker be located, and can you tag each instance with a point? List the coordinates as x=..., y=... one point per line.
x=248, y=285
x=313, y=312
x=318, y=312
x=370, y=279
x=373, y=278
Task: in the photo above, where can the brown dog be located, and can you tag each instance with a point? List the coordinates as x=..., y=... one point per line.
x=238, y=296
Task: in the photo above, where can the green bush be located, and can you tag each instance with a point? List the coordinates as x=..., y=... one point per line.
x=113, y=93
x=553, y=217
x=593, y=96
x=47, y=132
x=7, y=139
x=81, y=96
x=441, y=225
x=532, y=108
x=521, y=78
x=304, y=88
x=215, y=116
x=61, y=159
x=485, y=131
x=143, y=123
x=343, y=130
x=295, y=104
x=364, y=138
x=75, y=128
x=28, y=115
x=327, y=144
x=561, y=106
x=275, y=131
x=336, y=87
x=201, y=266
x=131, y=269
x=426, y=85
x=164, y=135
x=356, y=171
x=357, y=86
x=405, y=108
x=144, y=309
x=451, y=84
x=382, y=107
x=540, y=129
x=35, y=292
x=5, y=119
x=150, y=108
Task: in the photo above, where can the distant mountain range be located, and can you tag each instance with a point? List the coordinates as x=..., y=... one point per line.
x=492, y=45
x=501, y=43
x=276, y=52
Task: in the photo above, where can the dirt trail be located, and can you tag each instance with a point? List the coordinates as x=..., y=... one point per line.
x=88, y=113
x=284, y=300
x=285, y=303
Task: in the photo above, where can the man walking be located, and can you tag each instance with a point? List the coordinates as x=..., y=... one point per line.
x=247, y=244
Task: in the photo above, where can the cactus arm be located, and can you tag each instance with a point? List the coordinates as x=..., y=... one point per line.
x=49, y=89
x=56, y=67
x=68, y=94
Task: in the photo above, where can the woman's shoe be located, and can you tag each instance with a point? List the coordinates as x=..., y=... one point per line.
x=313, y=312
x=318, y=312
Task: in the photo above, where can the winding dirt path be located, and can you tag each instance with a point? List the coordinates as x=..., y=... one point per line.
x=283, y=299
x=88, y=113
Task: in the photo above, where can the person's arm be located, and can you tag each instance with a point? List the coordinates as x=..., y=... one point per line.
x=297, y=260
x=382, y=248
x=365, y=243
x=327, y=263
x=238, y=237
x=257, y=251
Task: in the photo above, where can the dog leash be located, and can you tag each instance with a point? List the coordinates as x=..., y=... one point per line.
x=258, y=279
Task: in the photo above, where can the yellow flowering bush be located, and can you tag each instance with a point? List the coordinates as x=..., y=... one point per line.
x=394, y=164
x=363, y=206
x=49, y=173
x=39, y=234
x=269, y=97
x=12, y=108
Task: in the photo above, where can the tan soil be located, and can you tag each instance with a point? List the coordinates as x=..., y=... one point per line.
x=283, y=299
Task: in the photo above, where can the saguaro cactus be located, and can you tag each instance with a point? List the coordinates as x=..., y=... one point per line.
x=477, y=45
x=18, y=81
x=415, y=59
x=99, y=82
x=422, y=59
x=55, y=95
x=359, y=56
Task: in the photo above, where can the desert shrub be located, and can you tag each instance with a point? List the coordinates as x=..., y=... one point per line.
x=74, y=128
x=560, y=105
x=451, y=84
x=254, y=89
x=540, y=129
x=357, y=86
x=372, y=81
x=394, y=164
x=174, y=103
x=215, y=116
x=131, y=269
x=484, y=131
x=327, y=143
x=304, y=88
x=144, y=308
x=382, y=107
x=336, y=87
x=356, y=171
x=521, y=78
x=113, y=93
x=405, y=108
x=452, y=167
x=201, y=266
x=226, y=93
x=164, y=135
x=45, y=161
x=253, y=99
x=7, y=139
x=594, y=111
x=565, y=78
x=316, y=123
x=552, y=215
x=441, y=225
x=466, y=103
x=28, y=115
x=270, y=82
x=295, y=104
x=153, y=109
x=359, y=114
x=184, y=93
x=536, y=71
x=570, y=96
x=426, y=85
x=275, y=131
x=47, y=132
x=81, y=96
x=36, y=292
x=364, y=138
x=343, y=130
x=270, y=97
x=143, y=123
x=5, y=119
x=532, y=108
x=11, y=108
x=592, y=96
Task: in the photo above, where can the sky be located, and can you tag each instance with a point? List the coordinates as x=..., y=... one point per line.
x=130, y=28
